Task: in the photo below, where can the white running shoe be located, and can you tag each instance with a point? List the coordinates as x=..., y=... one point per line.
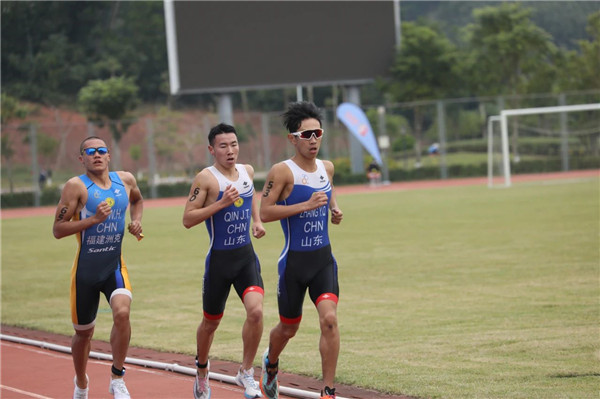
x=245, y=378
x=79, y=393
x=118, y=389
x=201, y=386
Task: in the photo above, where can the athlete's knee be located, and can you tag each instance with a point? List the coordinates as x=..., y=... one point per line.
x=84, y=334
x=121, y=307
x=121, y=315
x=289, y=330
x=328, y=321
x=254, y=315
x=209, y=325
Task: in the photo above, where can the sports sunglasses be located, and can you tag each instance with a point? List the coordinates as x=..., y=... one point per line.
x=307, y=134
x=91, y=151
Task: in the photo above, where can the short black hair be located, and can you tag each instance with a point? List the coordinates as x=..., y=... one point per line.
x=298, y=112
x=88, y=139
x=220, y=128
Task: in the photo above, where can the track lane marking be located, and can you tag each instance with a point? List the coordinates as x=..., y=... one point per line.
x=26, y=393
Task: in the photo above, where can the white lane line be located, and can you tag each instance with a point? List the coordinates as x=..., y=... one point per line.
x=30, y=394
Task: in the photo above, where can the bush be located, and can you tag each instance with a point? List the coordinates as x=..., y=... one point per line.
x=48, y=196
x=403, y=143
x=17, y=200
x=342, y=165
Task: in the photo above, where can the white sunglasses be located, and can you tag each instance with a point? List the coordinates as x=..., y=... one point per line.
x=308, y=133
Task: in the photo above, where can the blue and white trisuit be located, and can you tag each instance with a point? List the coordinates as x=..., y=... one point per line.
x=306, y=261
x=231, y=258
x=99, y=266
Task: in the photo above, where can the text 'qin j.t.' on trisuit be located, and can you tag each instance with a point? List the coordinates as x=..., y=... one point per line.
x=231, y=259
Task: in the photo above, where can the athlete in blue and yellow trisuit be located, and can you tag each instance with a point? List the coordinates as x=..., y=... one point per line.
x=93, y=206
x=299, y=193
x=222, y=196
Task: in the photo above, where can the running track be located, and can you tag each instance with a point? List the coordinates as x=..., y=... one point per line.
x=30, y=372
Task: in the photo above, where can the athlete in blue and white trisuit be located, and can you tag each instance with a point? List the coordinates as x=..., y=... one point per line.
x=229, y=232
x=306, y=260
x=222, y=197
x=93, y=206
x=299, y=193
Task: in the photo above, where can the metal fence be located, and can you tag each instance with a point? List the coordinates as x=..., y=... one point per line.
x=170, y=146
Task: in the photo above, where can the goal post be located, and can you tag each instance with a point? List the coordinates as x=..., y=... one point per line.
x=491, y=153
x=503, y=119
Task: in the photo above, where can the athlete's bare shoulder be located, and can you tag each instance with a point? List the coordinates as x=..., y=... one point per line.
x=205, y=176
x=74, y=185
x=73, y=196
x=206, y=181
x=127, y=177
x=249, y=169
x=279, y=183
x=281, y=171
x=329, y=167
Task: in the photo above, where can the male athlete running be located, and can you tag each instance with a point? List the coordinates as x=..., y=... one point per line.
x=222, y=196
x=299, y=193
x=93, y=206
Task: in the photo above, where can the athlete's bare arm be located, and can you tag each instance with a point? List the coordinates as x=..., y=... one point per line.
x=336, y=213
x=136, y=202
x=202, y=201
x=72, y=198
x=278, y=186
x=258, y=230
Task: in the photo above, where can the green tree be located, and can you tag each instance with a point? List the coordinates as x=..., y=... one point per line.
x=506, y=49
x=134, y=39
x=507, y=52
x=98, y=38
x=38, y=38
x=425, y=68
x=110, y=102
x=579, y=69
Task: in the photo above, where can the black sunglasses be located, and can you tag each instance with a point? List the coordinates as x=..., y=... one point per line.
x=92, y=151
x=307, y=134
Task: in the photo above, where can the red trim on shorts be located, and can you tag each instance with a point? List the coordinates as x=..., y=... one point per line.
x=253, y=288
x=285, y=320
x=213, y=316
x=326, y=297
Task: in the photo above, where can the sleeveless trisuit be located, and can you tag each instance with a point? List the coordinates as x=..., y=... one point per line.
x=99, y=265
x=306, y=261
x=231, y=258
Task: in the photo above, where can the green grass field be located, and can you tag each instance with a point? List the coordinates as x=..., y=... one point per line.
x=460, y=292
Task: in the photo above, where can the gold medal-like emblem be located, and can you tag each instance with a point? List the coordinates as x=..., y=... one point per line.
x=110, y=201
x=239, y=202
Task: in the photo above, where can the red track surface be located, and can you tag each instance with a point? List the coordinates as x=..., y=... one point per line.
x=30, y=372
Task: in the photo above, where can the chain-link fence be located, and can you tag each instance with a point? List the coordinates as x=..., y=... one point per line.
x=429, y=139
